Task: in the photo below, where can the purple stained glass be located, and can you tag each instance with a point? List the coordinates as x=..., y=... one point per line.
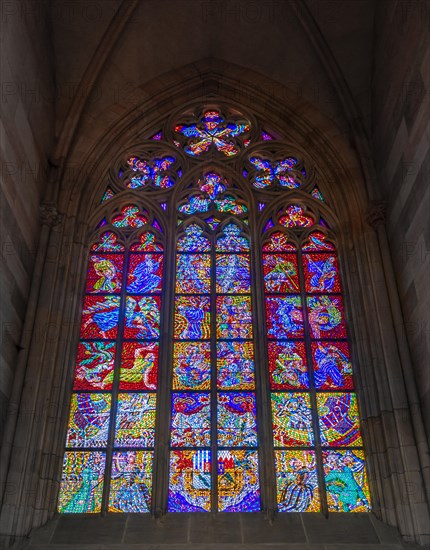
x=151, y=172
x=237, y=424
x=193, y=273
x=238, y=481
x=326, y=318
x=268, y=172
x=233, y=317
x=192, y=317
x=135, y=420
x=190, y=481
x=235, y=365
x=190, y=420
x=194, y=240
x=108, y=194
x=232, y=241
x=232, y=273
x=338, y=419
x=284, y=317
x=144, y=273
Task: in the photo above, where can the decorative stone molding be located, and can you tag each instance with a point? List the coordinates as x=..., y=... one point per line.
x=49, y=215
x=375, y=215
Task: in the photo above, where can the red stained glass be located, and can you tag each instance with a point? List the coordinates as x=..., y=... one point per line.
x=317, y=242
x=280, y=273
x=326, y=317
x=130, y=217
x=295, y=217
x=108, y=243
x=104, y=273
x=145, y=273
x=287, y=365
x=142, y=317
x=139, y=366
x=278, y=242
x=332, y=366
x=284, y=317
x=147, y=243
x=94, y=366
x=321, y=273
x=100, y=318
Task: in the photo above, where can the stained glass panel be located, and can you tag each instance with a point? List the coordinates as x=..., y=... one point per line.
x=338, y=419
x=284, y=317
x=88, y=420
x=332, y=365
x=238, y=481
x=108, y=243
x=296, y=481
x=130, y=217
x=192, y=317
x=268, y=172
x=317, y=241
x=194, y=240
x=131, y=482
x=104, y=273
x=278, y=242
x=287, y=366
x=147, y=243
x=190, y=420
x=193, y=273
x=280, y=273
x=321, y=273
x=135, y=420
x=232, y=241
x=292, y=419
x=145, y=272
x=234, y=317
x=94, y=366
x=326, y=319
x=191, y=366
x=237, y=425
x=82, y=482
x=142, y=317
x=295, y=217
x=232, y=273
x=346, y=481
x=100, y=317
x=190, y=481
x=139, y=366
x=235, y=365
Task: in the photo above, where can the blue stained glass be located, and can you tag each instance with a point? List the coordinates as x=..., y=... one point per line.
x=232, y=273
x=190, y=481
x=190, y=420
x=237, y=425
x=232, y=240
x=194, y=240
x=131, y=481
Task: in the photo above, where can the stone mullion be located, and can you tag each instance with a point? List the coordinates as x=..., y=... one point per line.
x=213, y=389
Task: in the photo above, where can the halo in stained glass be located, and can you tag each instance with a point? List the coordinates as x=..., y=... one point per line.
x=316, y=242
x=278, y=242
x=94, y=366
x=104, y=273
x=332, y=365
x=190, y=420
x=100, y=318
x=135, y=420
x=147, y=243
x=191, y=366
x=292, y=419
x=193, y=273
x=236, y=418
x=88, y=420
x=346, y=481
x=287, y=366
x=326, y=317
x=139, y=366
x=338, y=419
x=321, y=273
x=232, y=241
x=108, y=243
x=232, y=273
x=280, y=273
x=131, y=482
x=233, y=317
x=238, y=481
x=190, y=481
x=145, y=273
x=192, y=317
x=235, y=365
x=142, y=317
x=194, y=240
x=284, y=317
x=297, y=481
x=295, y=216
x=130, y=217
x=82, y=482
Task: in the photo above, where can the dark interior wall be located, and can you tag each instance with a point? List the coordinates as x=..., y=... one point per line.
x=401, y=135
x=26, y=126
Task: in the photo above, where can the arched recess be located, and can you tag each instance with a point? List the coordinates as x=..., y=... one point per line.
x=34, y=461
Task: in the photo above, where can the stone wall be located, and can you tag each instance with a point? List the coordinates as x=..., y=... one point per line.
x=401, y=135
x=26, y=139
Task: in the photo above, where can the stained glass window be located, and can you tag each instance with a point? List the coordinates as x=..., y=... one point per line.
x=168, y=376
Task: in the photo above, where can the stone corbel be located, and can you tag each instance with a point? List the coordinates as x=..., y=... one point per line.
x=49, y=215
x=376, y=214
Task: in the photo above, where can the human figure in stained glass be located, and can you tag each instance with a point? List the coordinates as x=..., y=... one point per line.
x=290, y=368
x=191, y=367
x=279, y=274
x=324, y=315
x=324, y=273
x=341, y=483
x=144, y=276
x=104, y=314
x=297, y=493
x=84, y=499
x=332, y=364
x=143, y=315
x=288, y=319
x=107, y=273
x=194, y=317
x=97, y=362
x=133, y=492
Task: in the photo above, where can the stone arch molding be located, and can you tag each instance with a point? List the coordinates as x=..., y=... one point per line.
x=393, y=438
